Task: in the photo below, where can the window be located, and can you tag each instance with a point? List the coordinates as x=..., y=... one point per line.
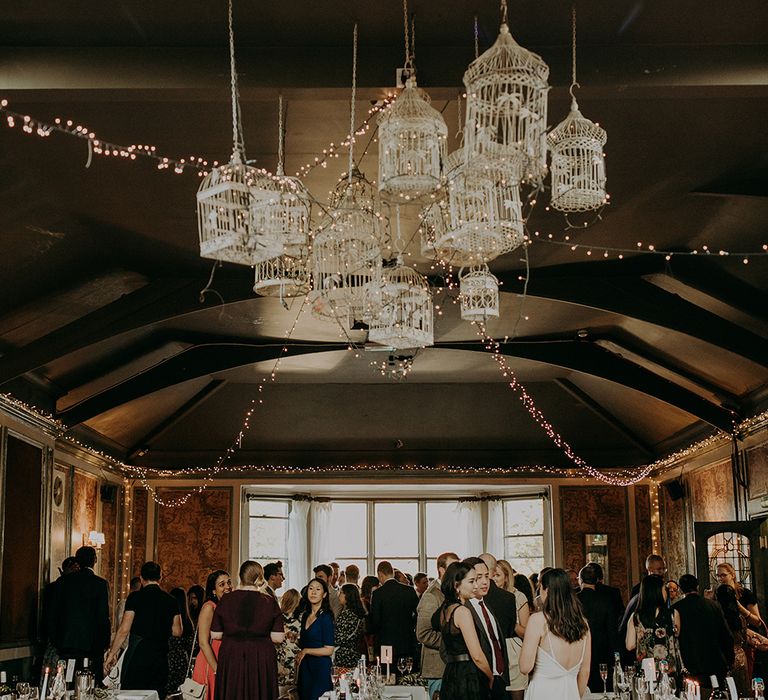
x=524, y=536
x=442, y=529
x=268, y=531
x=349, y=534
x=396, y=530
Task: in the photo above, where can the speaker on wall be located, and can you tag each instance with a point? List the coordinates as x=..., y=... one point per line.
x=675, y=489
x=108, y=493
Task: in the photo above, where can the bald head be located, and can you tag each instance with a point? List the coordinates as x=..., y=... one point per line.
x=490, y=561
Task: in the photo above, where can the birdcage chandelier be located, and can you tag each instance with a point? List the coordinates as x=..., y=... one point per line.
x=285, y=276
x=506, y=120
x=401, y=304
x=478, y=294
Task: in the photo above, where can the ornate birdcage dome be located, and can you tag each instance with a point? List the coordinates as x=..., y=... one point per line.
x=479, y=294
x=484, y=216
x=412, y=136
x=346, y=250
x=578, y=163
x=402, y=314
x=506, y=121
x=226, y=225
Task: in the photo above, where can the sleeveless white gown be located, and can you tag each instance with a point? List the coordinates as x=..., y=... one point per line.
x=549, y=680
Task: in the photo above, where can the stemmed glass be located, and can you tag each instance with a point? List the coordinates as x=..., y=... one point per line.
x=401, y=665
x=604, y=676
x=408, y=664
x=113, y=678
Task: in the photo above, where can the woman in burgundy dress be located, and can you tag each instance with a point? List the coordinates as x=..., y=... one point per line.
x=250, y=624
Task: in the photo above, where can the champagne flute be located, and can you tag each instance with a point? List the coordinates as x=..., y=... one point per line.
x=604, y=676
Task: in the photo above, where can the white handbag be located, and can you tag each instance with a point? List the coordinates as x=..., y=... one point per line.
x=190, y=689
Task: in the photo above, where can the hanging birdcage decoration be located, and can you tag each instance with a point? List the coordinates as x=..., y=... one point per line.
x=578, y=163
x=485, y=217
x=280, y=214
x=412, y=137
x=346, y=251
x=505, y=129
x=402, y=303
x=479, y=294
x=285, y=276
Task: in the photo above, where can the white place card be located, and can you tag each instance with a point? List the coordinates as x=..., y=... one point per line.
x=732, y=688
x=386, y=655
x=69, y=675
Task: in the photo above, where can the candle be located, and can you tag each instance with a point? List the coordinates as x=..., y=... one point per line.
x=44, y=689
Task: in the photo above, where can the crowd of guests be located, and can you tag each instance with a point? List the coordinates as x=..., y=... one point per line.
x=478, y=631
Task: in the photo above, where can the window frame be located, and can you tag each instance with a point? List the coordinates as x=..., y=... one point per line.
x=546, y=528
x=245, y=540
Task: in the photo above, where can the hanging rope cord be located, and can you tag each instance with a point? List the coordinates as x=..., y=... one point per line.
x=238, y=142
x=504, y=11
x=352, y=105
x=280, y=138
x=407, y=33
x=574, y=83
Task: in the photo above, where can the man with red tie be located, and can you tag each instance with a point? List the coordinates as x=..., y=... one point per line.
x=489, y=631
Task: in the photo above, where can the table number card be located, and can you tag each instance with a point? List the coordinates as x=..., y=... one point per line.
x=386, y=655
x=69, y=676
x=732, y=688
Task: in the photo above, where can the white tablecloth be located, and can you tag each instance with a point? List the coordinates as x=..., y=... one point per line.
x=137, y=695
x=406, y=692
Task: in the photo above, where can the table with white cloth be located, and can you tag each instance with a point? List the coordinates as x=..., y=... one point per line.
x=136, y=695
x=397, y=692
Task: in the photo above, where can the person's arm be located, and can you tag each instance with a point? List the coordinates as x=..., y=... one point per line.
x=630, y=641
x=676, y=621
x=533, y=633
x=277, y=633
x=120, y=636
x=751, y=613
x=204, y=635
x=177, y=629
x=462, y=618
x=583, y=676
x=756, y=640
x=327, y=632
x=523, y=615
x=426, y=608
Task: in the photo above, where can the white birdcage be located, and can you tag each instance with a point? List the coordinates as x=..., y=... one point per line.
x=505, y=129
x=402, y=304
x=479, y=294
x=285, y=276
x=280, y=211
x=578, y=163
x=412, y=136
x=346, y=251
x=485, y=217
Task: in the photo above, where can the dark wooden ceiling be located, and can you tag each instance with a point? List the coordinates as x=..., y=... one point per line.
x=100, y=312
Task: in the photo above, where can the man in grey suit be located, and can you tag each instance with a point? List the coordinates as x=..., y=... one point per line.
x=432, y=665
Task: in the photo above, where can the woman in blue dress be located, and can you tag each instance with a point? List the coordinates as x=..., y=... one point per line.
x=316, y=641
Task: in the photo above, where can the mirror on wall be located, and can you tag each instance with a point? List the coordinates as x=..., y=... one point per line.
x=596, y=549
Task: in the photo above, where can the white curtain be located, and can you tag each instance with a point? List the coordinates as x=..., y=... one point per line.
x=322, y=547
x=298, y=527
x=494, y=539
x=470, y=540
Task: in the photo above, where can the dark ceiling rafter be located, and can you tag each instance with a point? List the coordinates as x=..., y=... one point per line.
x=579, y=356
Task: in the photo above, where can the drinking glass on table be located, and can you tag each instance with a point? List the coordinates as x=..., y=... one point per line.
x=401, y=665
x=408, y=664
x=22, y=690
x=604, y=676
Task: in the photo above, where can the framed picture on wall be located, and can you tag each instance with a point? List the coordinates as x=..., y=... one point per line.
x=596, y=549
x=59, y=491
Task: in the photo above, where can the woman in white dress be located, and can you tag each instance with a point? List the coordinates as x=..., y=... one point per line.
x=556, y=646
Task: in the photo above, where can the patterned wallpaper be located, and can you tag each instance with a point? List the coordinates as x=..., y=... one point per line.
x=596, y=509
x=757, y=461
x=673, y=534
x=711, y=492
x=85, y=500
x=108, y=554
x=138, y=530
x=643, y=518
x=193, y=540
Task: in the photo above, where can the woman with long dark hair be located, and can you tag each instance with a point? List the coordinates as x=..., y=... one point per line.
x=195, y=600
x=652, y=629
x=313, y=662
x=727, y=597
x=556, y=643
x=467, y=675
x=350, y=627
x=217, y=585
x=179, y=648
x=523, y=584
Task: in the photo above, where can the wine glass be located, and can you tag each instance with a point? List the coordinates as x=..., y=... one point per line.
x=604, y=676
x=408, y=664
x=401, y=665
x=22, y=690
x=113, y=678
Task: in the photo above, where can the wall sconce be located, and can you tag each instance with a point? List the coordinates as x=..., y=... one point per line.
x=94, y=539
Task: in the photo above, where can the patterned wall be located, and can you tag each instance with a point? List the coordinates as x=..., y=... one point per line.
x=643, y=519
x=757, y=461
x=138, y=530
x=60, y=537
x=596, y=509
x=85, y=500
x=711, y=492
x=674, y=535
x=108, y=554
x=193, y=540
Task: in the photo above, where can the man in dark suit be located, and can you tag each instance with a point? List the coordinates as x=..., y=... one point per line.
x=392, y=620
x=706, y=643
x=611, y=592
x=601, y=616
x=489, y=631
x=82, y=614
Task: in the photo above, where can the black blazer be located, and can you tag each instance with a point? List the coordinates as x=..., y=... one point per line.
x=601, y=617
x=393, y=617
x=485, y=642
x=504, y=607
x=706, y=643
x=614, y=595
x=82, y=614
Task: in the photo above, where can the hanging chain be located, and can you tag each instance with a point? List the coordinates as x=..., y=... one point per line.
x=352, y=105
x=238, y=142
x=280, y=137
x=574, y=83
x=406, y=30
x=413, y=42
x=477, y=38
x=459, y=121
x=503, y=11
